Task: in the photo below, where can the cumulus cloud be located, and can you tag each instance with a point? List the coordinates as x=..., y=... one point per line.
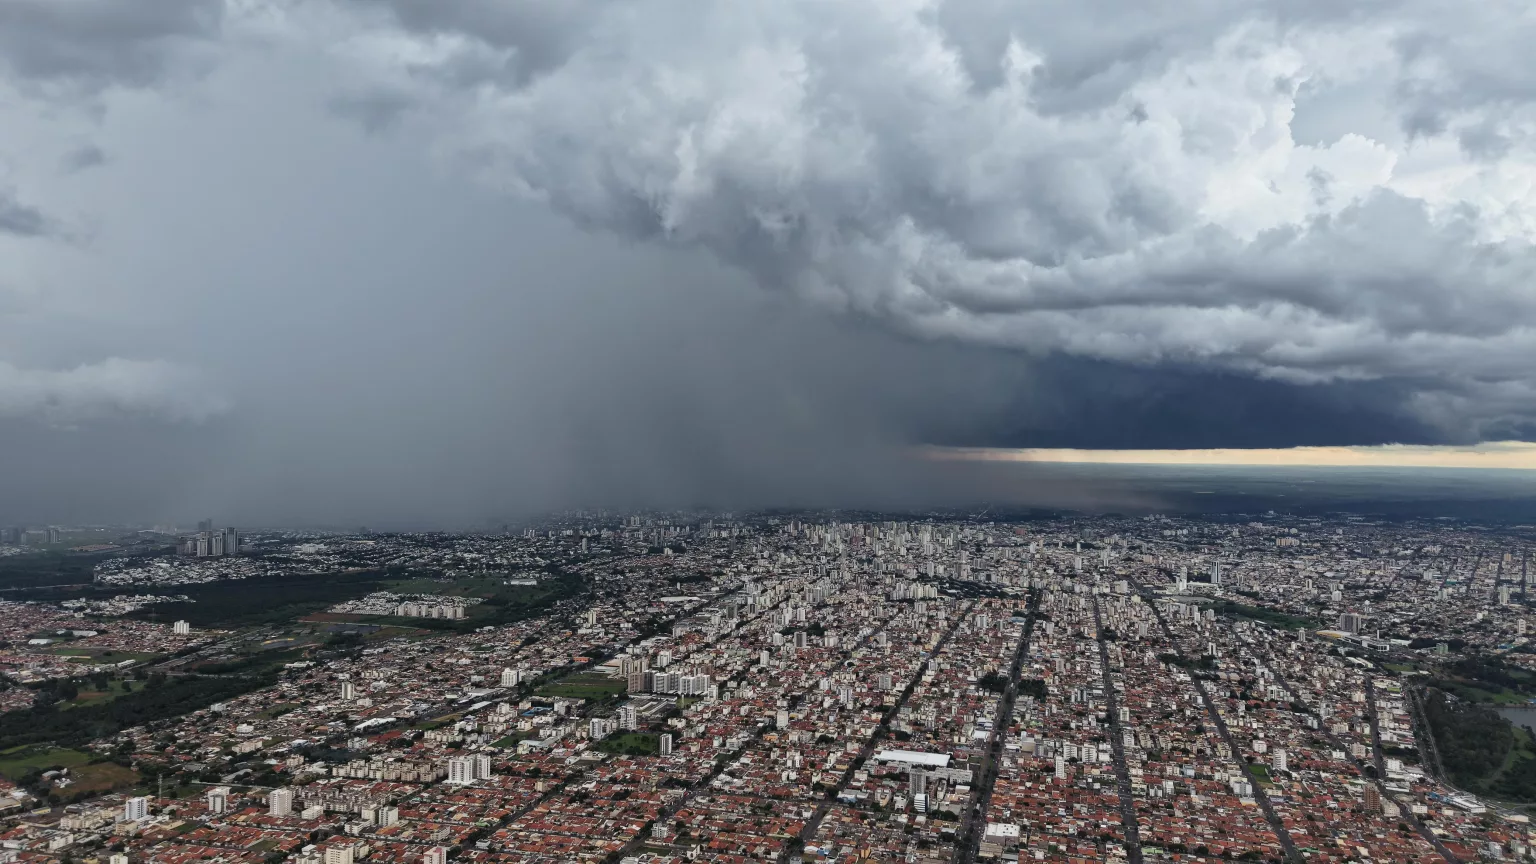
x=1308, y=193
x=115, y=387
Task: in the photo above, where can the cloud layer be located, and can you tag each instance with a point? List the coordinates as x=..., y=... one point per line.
x=1307, y=193
x=460, y=258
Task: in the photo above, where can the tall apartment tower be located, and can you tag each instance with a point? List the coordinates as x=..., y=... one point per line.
x=280, y=802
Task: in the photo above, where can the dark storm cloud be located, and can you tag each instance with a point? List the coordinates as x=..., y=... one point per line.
x=1088, y=224
x=97, y=43
x=1032, y=177
x=1096, y=405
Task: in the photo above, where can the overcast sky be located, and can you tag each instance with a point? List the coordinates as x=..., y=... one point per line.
x=402, y=260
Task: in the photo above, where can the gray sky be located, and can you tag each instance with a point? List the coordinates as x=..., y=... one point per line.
x=342, y=261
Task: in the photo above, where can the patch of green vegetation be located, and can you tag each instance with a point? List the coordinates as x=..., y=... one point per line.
x=114, y=690
x=631, y=744
x=1481, y=751
x=1271, y=617
x=98, y=777
x=103, y=655
x=1486, y=679
x=505, y=605
x=584, y=685
x=48, y=569
x=1202, y=663
x=511, y=741
x=277, y=710
x=256, y=662
x=437, y=722
x=267, y=600
x=159, y=699
x=17, y=761
x=1260, y=773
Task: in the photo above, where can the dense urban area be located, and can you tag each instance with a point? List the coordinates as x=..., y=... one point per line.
x=806, y=687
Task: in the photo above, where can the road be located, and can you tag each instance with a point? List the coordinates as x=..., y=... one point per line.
x=1117, y=745
x=814, y=824
x=1377, y=758
x=968, y=842
x=1292, y=854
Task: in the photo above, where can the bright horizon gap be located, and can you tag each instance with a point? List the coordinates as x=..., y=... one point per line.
x=1508, y=455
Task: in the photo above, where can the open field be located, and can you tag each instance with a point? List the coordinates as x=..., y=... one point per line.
x=101, y=777
x=631, y=744
x=102, y=655
x=115, y=690
x=17, y=761
x=584, y=685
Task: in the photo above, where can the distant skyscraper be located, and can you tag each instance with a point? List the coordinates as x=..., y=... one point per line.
x=280, y=802
x=135, y=809
x=231, y=541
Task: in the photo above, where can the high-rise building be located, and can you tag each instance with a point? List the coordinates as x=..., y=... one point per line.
x=217, y=799
x=348, y=690
x=231, y=541
x=1351, y=622
x=666, y=744
x=181, y=628
x=1372, y=798
x=482, y=764
x=135, y=809
x=461, y=770
x=280, y=802
x=511, y=677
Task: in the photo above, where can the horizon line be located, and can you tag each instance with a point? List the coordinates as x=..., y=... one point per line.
x=1497, y=455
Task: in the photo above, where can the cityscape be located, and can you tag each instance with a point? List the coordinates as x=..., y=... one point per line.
x=781, y=431
x=811, y=687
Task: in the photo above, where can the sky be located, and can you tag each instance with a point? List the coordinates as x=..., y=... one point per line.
x=332, y=261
